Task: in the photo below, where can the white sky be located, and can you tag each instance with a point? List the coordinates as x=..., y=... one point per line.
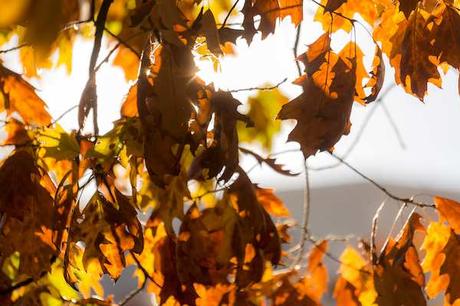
x=429, y=131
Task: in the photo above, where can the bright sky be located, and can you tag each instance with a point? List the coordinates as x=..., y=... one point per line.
x=429, y=131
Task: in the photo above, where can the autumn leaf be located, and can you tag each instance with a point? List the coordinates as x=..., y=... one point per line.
x=108, y=229
x=398, y=276
x=13, y=12
x=19, y=96
x=449, y=210
x=128, y=61
x=271, y=162
x=377, y=76
x=129, y=106
x=27, y=207
x=355, y=285
x=407, y=6
x=262, y=111
x=323, y=109
x=271, y=202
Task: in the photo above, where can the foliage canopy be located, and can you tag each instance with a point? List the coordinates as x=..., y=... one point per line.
x=177, y=137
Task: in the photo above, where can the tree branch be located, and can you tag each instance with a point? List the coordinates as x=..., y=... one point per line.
x=304, y=235
x=14, y=48
x=258, y=88
x=229, y=13
x=384, y=190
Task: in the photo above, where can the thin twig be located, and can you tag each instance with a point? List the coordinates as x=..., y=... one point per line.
x=294, y=49
x=393, y=125
x=229, y=13
x=132, y=294
x=62, y=115
x=367, y=119
x=28, y=281
x=144, y=271
x=374, y=232
x=334, y=258
x=383, y=189
x=123, y=42
x=14, y=48
x=258, y=88
x=88, y=99
x=304, y=235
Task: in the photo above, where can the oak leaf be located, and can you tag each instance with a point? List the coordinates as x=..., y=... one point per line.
x=323, y=109
x=398, y=276
x=27, y=207
x=450, y=211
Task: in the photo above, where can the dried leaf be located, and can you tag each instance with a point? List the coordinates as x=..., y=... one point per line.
x=323, y=109
x=398, y=276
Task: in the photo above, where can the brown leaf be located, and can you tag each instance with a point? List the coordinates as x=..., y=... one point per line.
x=323, y=109
x=407, y=6
x=27, y=207
x=209, y=30
x=377, y=76
x=256, y=229
x=108, y=228
x=333, y=5
x=206, y=245
x=163, y=99
x=223, y=152
x=398, y=276
x=271, y=162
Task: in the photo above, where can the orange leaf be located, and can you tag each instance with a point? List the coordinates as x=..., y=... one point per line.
x=450, y=211
x=19, y=96
x=271, y=202
x=128, y=61
x=129, y=106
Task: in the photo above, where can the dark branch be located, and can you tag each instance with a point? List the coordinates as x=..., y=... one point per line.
x=14, y=48
x=229, y=13
x=258, y=88
x=383, y=189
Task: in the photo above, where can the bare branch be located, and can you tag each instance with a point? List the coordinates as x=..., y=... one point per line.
x=294, y=49
x=229, y=13
x=88, y=98
x=258, y=88
x=374, y=232
x=123, y=42
x=367, y=119
x=393, y=125
x=304, y=235
x=384, y=190
x=14, y=48
x=132, y=294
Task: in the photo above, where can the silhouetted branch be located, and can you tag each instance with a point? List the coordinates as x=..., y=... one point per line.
x=123, y=42
x=384, y=190
x=294, y=49
x=258, y=88
x=304, y=235
x=229, y=13
x=370, y=114
x=374, y=231
x=14, y=48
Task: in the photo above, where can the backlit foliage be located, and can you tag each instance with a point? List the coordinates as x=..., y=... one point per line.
x=210, y=235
